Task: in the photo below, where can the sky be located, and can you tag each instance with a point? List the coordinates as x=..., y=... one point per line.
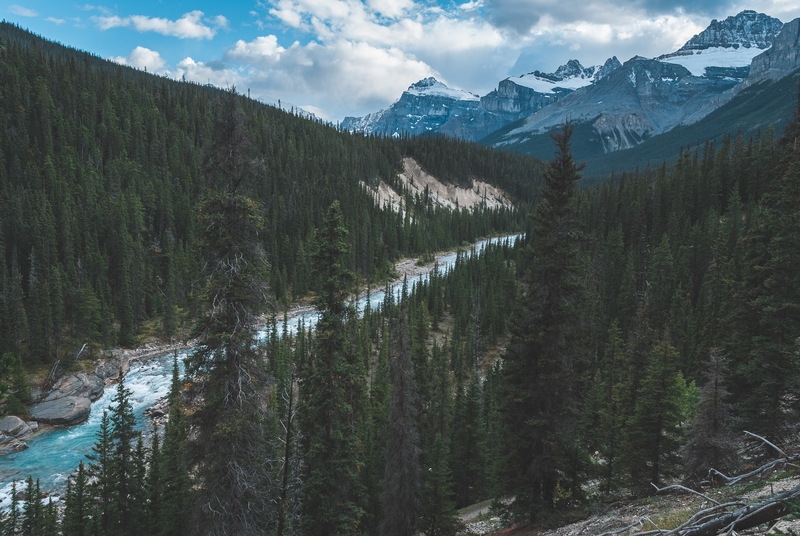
x=338, y=58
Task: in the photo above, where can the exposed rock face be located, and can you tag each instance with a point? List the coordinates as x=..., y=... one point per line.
x=640, y=100
x=70, y=400
x=518, y=97
x=66, y=410
x=12, y=432
x=781, y=59
x=429, y=105
x=747, y=29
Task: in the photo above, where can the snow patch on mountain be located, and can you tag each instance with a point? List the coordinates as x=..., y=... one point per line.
x=570, y=76
x=698, y=61
x=726, y=48
x=433, y=88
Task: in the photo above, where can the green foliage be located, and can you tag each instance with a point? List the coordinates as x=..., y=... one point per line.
x=231, y=448
x=440, y=517
x=539, y=364
x=14, y=391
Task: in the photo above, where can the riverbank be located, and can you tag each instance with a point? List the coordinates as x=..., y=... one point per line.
x=69, y=400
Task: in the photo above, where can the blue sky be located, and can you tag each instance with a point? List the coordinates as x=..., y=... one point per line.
x=350, y=57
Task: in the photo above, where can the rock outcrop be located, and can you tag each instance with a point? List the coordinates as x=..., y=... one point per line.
x=780, y=60
x=70, y=400
x=12, y=432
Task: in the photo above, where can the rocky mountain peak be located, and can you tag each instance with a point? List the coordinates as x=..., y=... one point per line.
x=425, y=83
x=747, y=29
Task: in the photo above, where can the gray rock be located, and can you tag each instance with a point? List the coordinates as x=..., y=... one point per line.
x=78, y=385
x=65, y=410
x=109, y=369
x=12, y=426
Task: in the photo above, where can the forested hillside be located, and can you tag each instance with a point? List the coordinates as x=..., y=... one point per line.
x=102, y=168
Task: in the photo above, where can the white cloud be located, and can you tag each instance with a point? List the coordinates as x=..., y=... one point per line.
x=262, y=51
x=143, y=58
x=336, y=76
x=203, y=73
x=108, y=22
x=22, y=11
x=56, y=21
x=191, y=25
x=356, y=56
x=390, y=8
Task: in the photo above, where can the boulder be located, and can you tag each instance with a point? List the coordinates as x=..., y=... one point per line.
x=65, y=410
x=109, y=369
x=77, y=385
x=12, y=426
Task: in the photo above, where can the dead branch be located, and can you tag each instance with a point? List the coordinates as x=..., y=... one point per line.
x=731, y=517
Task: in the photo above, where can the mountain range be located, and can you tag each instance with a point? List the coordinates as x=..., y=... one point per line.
x=615, y=106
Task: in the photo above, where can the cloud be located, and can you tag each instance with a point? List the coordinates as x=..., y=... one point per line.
x=143, y=58
x=516, y=15
x=55, y=20
x=263, y=51
x=203, y=73
x=338, y=75
x=390, y=8
x=22, y=11
x=191, y=25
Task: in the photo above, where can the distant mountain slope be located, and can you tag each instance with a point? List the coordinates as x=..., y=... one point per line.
x=519, y=96
x=423, y=107
x=639, y=103
x=770, y=103
x=726, y=48
x=430, y=106
x=640, y=100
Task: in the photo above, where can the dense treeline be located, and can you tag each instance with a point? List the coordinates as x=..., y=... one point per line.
x=659, y=314
x=101, y=173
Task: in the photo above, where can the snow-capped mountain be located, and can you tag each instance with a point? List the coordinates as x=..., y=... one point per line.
x=570, y=76
x=429, y=105
x=647, y=97
x=726, y=48
x=425, y=106
x=519, y=96
x=642, y=98
x=613, y=106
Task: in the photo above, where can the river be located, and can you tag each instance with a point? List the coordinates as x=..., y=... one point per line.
x=54, y=453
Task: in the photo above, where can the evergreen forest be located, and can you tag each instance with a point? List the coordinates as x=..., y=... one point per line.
x=628, y=338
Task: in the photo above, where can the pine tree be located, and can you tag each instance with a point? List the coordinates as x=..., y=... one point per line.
x=468, y=459
x=653, y=431
x=102, y=472
x=231, y=448
x=77, y=510
x=154, y=487
x=440, y=517
x=711, y=443
x=124, y=464
x=329, y=389
x=31, y=518
x=402, y=479
x=176, y=485
x=538, y=370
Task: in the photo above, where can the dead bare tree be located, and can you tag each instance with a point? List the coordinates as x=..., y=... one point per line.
x=731, y=517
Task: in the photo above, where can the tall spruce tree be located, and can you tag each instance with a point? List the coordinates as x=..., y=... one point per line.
x=331, y=391
x=231, y=445
x=538, y=371
x=402, y=479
